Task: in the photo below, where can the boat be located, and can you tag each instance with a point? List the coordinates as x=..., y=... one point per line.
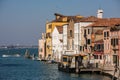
x=33, y=57
x=11, y=55
x=27, y=54
x=38, y=59
x=4, y=55
x=52, y=62
x=71, y=63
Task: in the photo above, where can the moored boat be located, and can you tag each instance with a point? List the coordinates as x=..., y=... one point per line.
x=11, y=55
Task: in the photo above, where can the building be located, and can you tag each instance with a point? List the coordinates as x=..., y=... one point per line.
x=107, y=43
x=115, y=43
x=41, y=47
x=108, y=34
x=74, y=34
x=96, y=34
x=111, y=44
x=81, y=32
x=59, y=21
x=57, y=43
x=99, y=51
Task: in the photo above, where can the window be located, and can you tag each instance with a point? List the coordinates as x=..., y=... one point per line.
x=48, y=35
x=83, y=48
x=80, y=48
x=88, y=41
x=116, y=41
x=88, y=31
x=95, y=47
x=85, y=32
x=50, y=26
x=111, y=41
x=107, y=34
x=98, y=47
x=64, y=59
x=96, y=56
x=104, y=34
x=100, y=57
x=70, y=33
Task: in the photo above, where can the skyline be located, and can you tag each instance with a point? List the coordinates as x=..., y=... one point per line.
x=23, y=21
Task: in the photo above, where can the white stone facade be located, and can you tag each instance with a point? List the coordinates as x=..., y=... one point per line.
x=56, y=44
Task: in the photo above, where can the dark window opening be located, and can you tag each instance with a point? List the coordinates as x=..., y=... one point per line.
x=83, y=48
x=116, y=41
x=107, y=34
x=111, y=41
x=70, y=33
x=88, y=41
x=64, y=59
x=80, y=48
x=88, y=31
x=96, y=56
x=50, y=26
x=84, y=32
x=104, y=34
x=100, y=57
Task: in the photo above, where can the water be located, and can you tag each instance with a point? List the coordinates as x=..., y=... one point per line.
x=12, y=68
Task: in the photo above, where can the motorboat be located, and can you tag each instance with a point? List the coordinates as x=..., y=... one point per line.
x=11, y=55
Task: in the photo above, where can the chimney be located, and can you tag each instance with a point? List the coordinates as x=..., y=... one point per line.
x=100, y=13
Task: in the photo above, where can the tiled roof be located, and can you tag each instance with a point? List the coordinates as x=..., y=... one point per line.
x=77, y=19
x=89, y=19
x=106, y=22
x=60, y=29
x=68, y=19
x=115, y=28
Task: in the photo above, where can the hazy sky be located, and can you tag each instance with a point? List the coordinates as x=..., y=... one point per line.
x=23, y=21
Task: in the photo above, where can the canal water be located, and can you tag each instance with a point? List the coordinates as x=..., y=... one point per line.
x=19, y=68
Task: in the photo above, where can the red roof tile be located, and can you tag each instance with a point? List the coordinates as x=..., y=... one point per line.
x=106, y=22
x=89, y=19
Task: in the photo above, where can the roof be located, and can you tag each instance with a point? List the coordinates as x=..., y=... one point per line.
x=60, y=29
x=57, y=14
x=115, y=28
x=105, y=22
x=89, y=19
x=61, y=17
x=77, y=18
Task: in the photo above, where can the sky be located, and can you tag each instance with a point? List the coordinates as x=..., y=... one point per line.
x=23, y=21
